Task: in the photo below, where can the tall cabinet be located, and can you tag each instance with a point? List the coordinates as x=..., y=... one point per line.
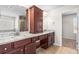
x=35, y=15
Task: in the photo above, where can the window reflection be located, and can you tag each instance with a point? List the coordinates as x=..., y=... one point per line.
x=23, y=26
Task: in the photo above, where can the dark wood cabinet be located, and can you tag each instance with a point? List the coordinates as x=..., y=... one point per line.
x=36, y=19
x=47, y=40
x=30, y=49
x=29, y=45
x=44, y=41
x=5, y=48
x=16, y=51
x=36, y=41
x=21, y=43
x=50, y=39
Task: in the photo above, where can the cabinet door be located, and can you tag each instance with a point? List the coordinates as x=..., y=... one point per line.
x=49, y=40
x=38, y=21
x=44, y=41
x=37, y=41
x=5, y=48
x=21, y=43
x=16, y=51
x=30, y=49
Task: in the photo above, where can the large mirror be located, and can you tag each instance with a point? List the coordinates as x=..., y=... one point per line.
x=7, y=23
x=13, y=18
x=23, y=23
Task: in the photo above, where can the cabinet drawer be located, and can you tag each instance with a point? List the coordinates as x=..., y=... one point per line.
x=37, y=41
x=34, y=39
x=5, y=48
x=16, y=51
x=42, y=37
x=30, y=49
x=21, y=43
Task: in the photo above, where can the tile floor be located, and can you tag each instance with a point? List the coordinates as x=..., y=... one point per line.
x=56, y=50
x=71, y=43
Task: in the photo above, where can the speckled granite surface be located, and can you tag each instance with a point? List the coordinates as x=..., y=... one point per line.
x=21, y=36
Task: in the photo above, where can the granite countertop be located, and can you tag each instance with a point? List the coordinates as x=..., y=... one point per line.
x=21, y=36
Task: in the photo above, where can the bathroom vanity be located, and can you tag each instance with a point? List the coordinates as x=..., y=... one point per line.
x=27, y=43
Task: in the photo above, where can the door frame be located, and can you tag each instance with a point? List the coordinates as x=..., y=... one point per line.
x=76, y=33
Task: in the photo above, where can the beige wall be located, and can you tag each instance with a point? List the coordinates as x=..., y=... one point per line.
x=56, y=16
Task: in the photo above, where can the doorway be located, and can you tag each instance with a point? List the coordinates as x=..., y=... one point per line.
x=69, y=30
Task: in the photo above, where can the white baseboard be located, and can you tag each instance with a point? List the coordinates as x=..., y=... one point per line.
x=57, y=44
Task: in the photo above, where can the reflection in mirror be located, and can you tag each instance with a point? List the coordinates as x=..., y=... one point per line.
x=7, y=26
x=7, y=23
x=23, y=24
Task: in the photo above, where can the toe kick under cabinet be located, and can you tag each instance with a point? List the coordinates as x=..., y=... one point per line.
x=28, y=45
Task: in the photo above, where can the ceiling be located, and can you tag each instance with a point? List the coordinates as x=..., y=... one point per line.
x=46, y=7
x=49, y=7
x=13, y=8
x=21, y=10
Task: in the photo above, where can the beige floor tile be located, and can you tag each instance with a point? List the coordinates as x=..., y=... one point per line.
x=56, y=50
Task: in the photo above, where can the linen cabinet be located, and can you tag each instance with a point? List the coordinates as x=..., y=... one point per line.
x=35, y=16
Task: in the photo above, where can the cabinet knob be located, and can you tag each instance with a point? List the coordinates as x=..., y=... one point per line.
x=5, y=48
x=25, y=48
x=21, y=49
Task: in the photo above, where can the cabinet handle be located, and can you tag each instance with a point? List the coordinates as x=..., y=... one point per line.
x=5, y=49
x=21, y=49
x=38, y=41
